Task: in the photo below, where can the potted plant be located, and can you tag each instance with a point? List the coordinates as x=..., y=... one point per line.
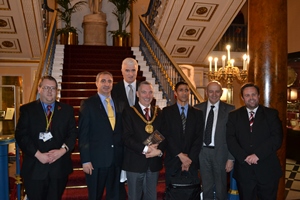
x=120, y=36
x=68, y=34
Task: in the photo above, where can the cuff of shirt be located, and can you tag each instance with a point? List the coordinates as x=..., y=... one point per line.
x=145, y=150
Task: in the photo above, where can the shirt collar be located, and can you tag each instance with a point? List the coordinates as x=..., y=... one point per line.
x=254, y=110
x=143, y=107
x=210, y=104
x=133, y=84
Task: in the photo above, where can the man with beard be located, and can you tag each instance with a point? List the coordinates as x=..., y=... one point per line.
x=183, y=130
x=254, y=134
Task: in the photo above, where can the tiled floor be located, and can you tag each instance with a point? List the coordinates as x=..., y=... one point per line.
x=292, y=180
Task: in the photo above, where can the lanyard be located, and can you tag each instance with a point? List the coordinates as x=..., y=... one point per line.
x=48, y=121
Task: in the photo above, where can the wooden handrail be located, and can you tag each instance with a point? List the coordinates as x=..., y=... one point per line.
x=45, y=61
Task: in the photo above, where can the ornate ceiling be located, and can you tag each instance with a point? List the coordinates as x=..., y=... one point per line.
x=191, y=29
x=20, y=29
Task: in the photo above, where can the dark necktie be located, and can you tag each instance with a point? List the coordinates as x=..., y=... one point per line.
x=147, y=113
x=251, y=120
x=130, y=96
x=49, y=112
x=183, y=119
x=209, y=125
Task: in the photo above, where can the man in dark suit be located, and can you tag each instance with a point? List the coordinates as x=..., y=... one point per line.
x=46, y=134
x=215, y=159
x=101, y=149
x=254, y=134
x=184, y=140
x=142, y=162
x=125, y=90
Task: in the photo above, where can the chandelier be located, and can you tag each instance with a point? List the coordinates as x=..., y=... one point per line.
x=228, y=73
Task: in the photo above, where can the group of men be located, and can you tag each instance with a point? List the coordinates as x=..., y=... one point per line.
x=115, y=122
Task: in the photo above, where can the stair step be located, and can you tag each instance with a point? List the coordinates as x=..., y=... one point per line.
x=90, y=78
x=115, y=72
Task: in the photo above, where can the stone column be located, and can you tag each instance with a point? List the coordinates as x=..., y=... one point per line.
x=267, y=39
x=94, y=26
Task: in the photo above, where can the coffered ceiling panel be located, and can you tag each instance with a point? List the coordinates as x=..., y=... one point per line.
x=20, y=29
x=194, y=27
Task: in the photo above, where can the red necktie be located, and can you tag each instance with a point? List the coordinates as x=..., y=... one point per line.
x=147, y=114
x=49, y=112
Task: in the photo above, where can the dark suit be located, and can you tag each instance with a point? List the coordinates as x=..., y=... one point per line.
x=134, y=135
x=213, y=161
x=119, y=92
x=101, y=146
x=190, y=143
x=31, y=123
x=264, y=140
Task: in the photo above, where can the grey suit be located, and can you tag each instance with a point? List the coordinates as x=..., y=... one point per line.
x=213, y=160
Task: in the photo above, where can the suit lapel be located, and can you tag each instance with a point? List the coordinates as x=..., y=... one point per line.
x=176, y=116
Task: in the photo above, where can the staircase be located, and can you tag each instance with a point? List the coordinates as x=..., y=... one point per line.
x=75, y=68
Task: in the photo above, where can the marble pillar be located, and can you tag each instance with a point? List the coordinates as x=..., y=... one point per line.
x=94, y=26
x=267, y=45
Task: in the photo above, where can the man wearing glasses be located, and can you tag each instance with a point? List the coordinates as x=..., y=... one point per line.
x=46, y=134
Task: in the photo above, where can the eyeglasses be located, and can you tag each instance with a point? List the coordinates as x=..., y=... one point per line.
x=49, y=88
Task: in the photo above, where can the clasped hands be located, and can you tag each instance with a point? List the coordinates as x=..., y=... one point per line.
x=153, y=151
x=50, y=156
x=185, y=160
x=251, y=159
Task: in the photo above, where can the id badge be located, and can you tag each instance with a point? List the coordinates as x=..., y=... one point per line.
x=45, y=136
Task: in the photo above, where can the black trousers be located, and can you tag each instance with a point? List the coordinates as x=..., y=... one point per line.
x=48, y=189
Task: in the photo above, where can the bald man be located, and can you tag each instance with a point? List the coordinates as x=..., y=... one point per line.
x=215, y=159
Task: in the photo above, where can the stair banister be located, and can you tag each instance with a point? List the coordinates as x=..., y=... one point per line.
x=166, y=71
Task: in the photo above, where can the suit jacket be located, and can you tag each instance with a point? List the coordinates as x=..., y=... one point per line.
x=98, y=142
x=134, y=135
x=189, y=143
x=264, y=140
x=119, y=92
x=221, y=150
x=31, y=123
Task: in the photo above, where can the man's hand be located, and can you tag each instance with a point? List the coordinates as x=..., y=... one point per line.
x=152, y=151
x=88, y=168
x=229, y=165
x=252, y=159
x=42, y=157
x=55, y=154
x=185, y=160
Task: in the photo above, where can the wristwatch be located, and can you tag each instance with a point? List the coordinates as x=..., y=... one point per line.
x=161, y=153
x=65, y=147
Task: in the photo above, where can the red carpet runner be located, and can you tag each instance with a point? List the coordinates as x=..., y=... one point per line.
x=81, y=65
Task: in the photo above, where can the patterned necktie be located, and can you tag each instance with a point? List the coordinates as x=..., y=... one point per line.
x=130, y=96
x=49, y=112
x=251, y=120
x=147, y=113
x=110, y=113
x=209, y=125
x=183, y=119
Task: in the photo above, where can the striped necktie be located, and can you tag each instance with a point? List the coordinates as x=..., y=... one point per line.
x=147, y=113
x=183, y=119
x=251, y=120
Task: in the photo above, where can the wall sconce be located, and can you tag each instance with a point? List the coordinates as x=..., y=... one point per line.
x=292, y=94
